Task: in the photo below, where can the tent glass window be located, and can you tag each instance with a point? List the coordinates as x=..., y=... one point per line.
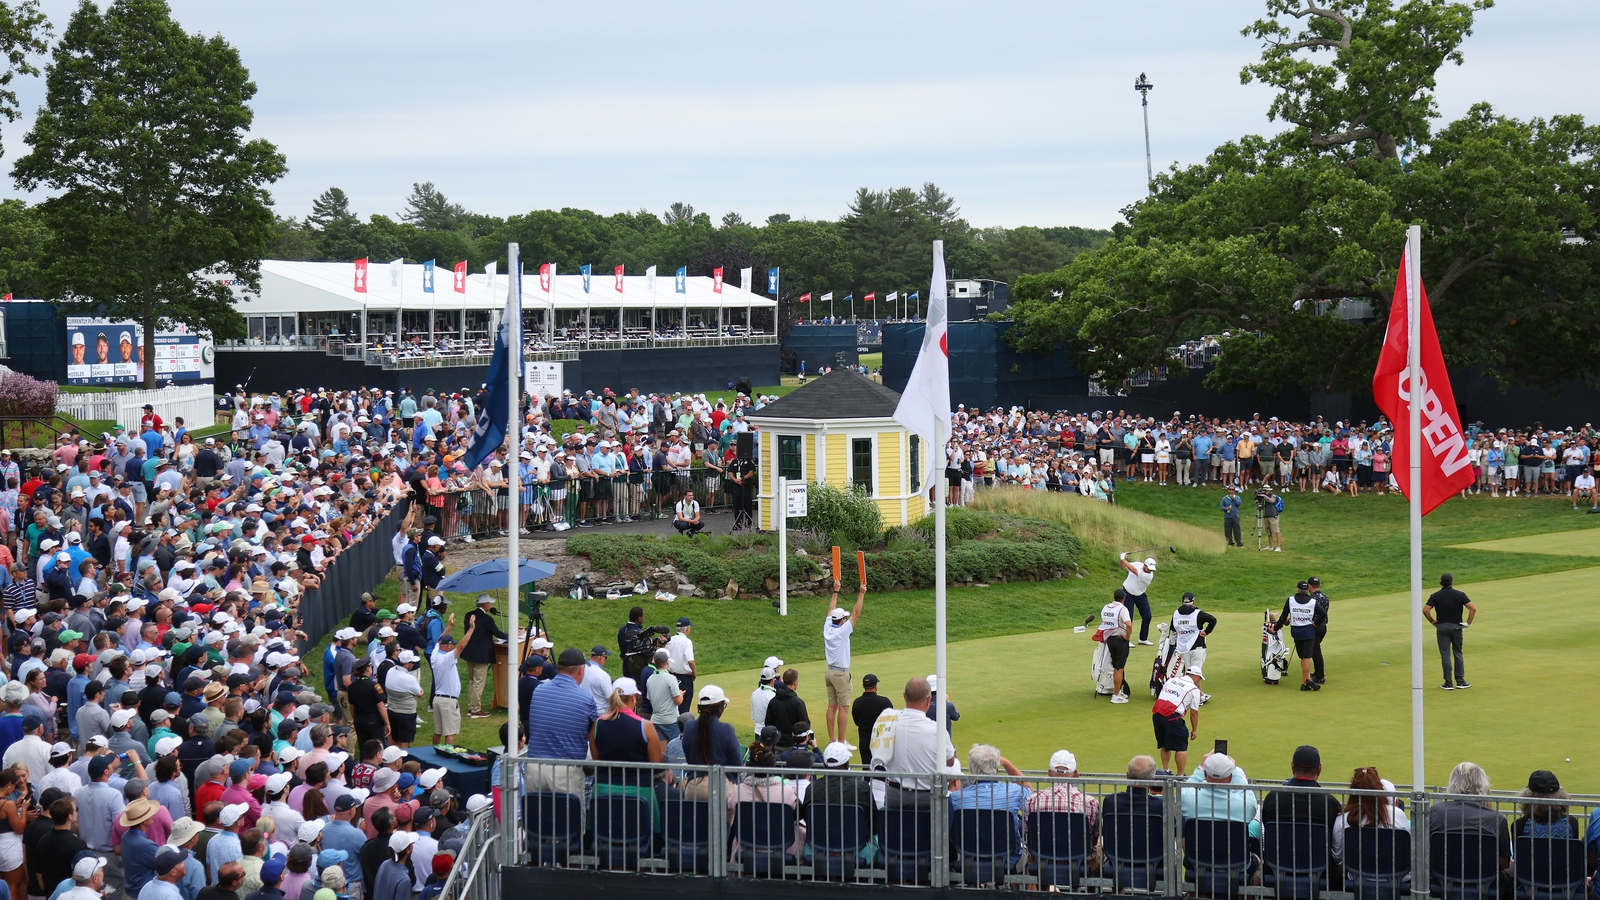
x=861, y=464
x=790, y=465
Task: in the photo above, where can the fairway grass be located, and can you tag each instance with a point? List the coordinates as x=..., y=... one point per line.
x=1569, y=543
x=1031, y=694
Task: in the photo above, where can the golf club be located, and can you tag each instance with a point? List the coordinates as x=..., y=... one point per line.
x=1132, y=553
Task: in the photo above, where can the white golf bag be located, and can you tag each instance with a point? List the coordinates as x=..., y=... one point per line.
x=1274, y=652
x=1100, y=671
x=1168, y=662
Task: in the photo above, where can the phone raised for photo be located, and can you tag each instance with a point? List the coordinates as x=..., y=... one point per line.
x=1220, y=747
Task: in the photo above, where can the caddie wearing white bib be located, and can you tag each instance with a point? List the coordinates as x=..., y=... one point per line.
x=1190, y=625
x=1301, y=614
x=1116, y=627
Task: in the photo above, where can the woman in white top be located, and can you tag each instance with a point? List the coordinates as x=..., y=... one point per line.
x=1163, y=457
x=1367, y=811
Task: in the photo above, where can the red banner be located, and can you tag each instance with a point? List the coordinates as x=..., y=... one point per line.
x=361, y=276
x=461, y=277
x=716, y=280
x=1446, y=470
x=806, y=297
x=546, y=272
x=619, y=279
x=871, y=297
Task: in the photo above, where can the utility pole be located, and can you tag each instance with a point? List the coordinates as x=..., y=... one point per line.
x=1144, y=87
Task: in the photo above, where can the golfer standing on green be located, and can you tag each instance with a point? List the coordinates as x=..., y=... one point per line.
x=1443, y=611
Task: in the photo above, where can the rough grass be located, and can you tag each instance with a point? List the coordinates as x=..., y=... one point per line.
x=1101, y=526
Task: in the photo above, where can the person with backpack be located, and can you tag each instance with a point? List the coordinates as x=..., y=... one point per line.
x=1271, y=508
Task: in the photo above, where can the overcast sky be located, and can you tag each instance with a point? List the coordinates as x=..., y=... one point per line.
x=1024, y=111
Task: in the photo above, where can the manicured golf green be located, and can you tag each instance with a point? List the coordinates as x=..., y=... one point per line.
x=1569, y=543
x=1031, y=694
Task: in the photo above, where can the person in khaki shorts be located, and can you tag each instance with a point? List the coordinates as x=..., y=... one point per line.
x=447, y=686
x=836, y=633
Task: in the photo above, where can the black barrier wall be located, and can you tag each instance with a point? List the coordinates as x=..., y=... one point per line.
x=352, y=573
x=819, y=346
x=984, y=371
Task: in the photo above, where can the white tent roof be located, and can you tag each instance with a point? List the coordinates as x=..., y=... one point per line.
x=293, y=287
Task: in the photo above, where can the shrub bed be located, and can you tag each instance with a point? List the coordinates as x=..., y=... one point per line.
x=983, y=547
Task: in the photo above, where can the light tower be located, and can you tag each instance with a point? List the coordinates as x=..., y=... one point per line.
x=1144, y=87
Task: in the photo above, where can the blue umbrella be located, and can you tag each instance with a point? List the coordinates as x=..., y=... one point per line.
x=490, y=575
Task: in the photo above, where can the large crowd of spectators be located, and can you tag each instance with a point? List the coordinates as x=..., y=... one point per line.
x=161, y=736
x=1090, y=452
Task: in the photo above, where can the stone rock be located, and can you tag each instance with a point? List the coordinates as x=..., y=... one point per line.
x=732, y=590
x=770, y=585
x=689, y=590
x=801, y=552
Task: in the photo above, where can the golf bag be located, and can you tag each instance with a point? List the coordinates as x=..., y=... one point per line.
x=1168, y=662
x=1100, y=671
x=1274, y=653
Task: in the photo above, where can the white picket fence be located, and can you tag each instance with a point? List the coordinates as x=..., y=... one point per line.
x=195, y=404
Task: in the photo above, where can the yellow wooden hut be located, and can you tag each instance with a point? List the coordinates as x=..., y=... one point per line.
x=839, y=429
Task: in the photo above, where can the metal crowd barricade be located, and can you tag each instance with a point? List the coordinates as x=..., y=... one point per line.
x=1086, y=835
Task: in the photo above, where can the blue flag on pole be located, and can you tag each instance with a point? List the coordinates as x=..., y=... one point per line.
x=772, y=281
x=491, y=426
x=427, y=277
x=584, y=271
x=680, y=282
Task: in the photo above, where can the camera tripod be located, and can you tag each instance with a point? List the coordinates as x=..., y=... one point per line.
x=1261, y=524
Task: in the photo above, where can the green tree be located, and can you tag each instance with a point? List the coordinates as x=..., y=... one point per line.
x=428, y=209
x=23, y=237
x=293, y=239
x=1263, y=240
x=144, y=139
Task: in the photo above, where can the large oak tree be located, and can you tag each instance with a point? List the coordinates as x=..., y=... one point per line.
x=144, y=138
x=1264, y=238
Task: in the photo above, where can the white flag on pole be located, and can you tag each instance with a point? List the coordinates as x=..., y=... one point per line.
x=650, y=279
x=397, y=271
x=893, y=296
x=489, y=272
x=827, y=298
x=744, y=278
x=925, y=404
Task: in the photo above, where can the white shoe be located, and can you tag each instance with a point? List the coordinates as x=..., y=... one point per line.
x=853, y=747
x=1204, y=698
x=1277, y=549
x=1119, y=698
x=1147, y=643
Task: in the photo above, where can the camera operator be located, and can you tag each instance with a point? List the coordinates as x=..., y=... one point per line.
x=1267, y=506
x=638, y=643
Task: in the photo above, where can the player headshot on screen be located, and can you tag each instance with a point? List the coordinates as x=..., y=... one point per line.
x=127, y=347
x=79, y=348
x=102, y=348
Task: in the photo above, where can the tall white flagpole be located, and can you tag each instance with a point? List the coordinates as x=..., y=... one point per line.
x=1413, y=370
x=513, y=559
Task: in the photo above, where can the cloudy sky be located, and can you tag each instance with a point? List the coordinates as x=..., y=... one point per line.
x=1024, y=111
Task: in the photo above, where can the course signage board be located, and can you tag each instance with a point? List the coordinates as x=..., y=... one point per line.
x=796, y=500
x=544, y=379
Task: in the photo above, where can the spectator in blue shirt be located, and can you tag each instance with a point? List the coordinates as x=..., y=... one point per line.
x=561, y=714
x=985, y=760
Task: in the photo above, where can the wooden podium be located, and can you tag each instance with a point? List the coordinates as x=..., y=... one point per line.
x=504, y=677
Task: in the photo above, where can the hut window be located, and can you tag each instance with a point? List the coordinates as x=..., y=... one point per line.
x=916, y=463
x=789, y=457
x=861, y=463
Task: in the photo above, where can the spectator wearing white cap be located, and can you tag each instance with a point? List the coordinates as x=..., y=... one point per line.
x=763, y=694
x=1065, y=797
x=88, y=879
x=620, y=735
x=447, y=685
x=403, y=693
x=393, y=881
x=840, y=789
x=1217, y=804
x=277, y=808
x=836, y=631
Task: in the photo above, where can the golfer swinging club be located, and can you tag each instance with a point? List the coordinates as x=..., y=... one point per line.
x=1302, y=616
x=1137, y=584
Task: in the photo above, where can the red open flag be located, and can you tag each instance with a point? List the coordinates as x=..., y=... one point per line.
x=806, y=297
x=619, y=279
x=1446, y=470
x=871, y=297
x=716, y=280
x=361, y=276
x=461, y=277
